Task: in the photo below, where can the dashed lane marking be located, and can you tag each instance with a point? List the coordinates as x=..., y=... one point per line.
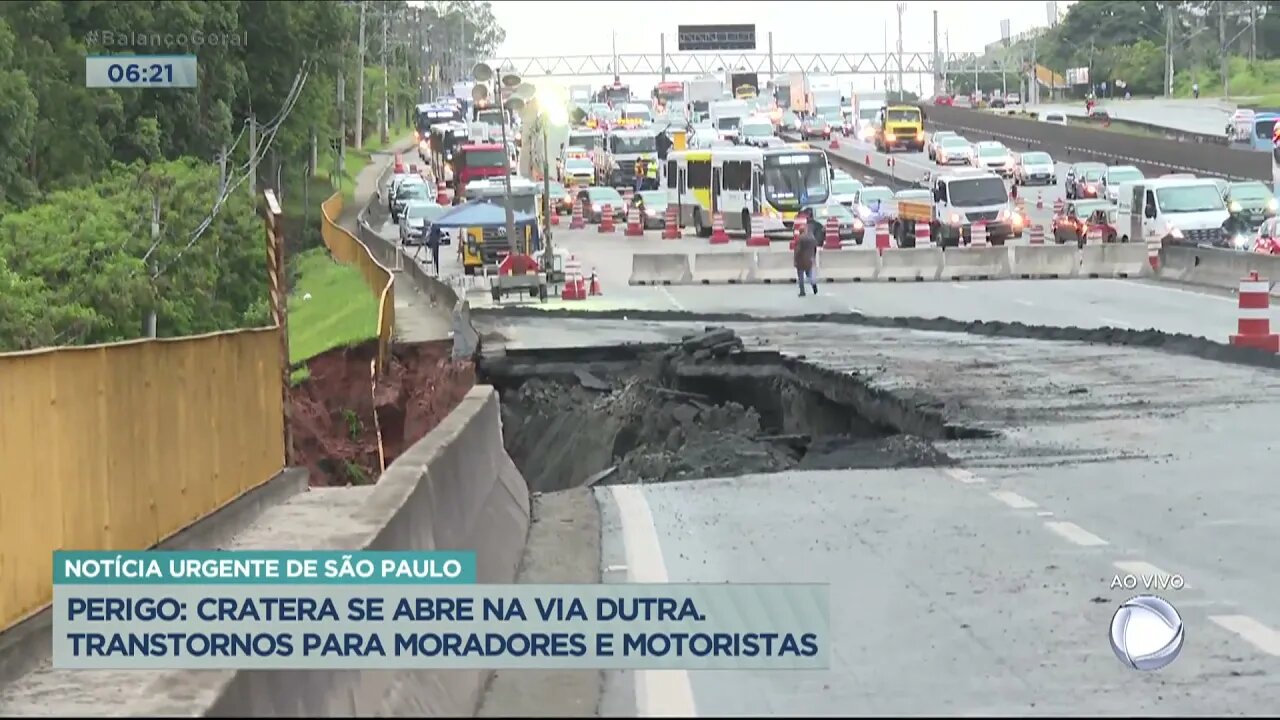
x=963, y=476
x=1072, y=532
x=1044, y=513
x=1013, y=500
x=1253, y=632
x=1143, y=569
x=659, y=693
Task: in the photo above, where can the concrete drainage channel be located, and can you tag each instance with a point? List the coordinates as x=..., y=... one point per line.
x=702, y=409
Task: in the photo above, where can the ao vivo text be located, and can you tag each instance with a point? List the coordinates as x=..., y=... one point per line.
x=1154, y=581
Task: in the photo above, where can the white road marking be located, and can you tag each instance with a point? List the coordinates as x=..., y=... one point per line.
x=1074, y=533
x=659, y=693
x=963, y=476
x=1113, y=322
x=1143, y=569
x=1184, y=291
x=1013, y=500
x=1044, y=513
x=959, y=286
x=1255, y=633
x=672, y=298
x=616, y=568
x=1020, y=301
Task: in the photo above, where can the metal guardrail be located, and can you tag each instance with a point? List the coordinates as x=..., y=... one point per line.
x=348, y=249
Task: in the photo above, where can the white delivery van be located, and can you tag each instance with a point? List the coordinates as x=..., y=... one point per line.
x=727, y=117
x=1181, y=211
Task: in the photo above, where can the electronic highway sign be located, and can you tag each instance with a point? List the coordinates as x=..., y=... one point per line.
x=716, y=37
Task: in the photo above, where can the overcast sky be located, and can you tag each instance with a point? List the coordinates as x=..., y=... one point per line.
x=552, y=28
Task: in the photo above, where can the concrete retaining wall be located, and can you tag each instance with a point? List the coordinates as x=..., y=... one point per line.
x=455, y=488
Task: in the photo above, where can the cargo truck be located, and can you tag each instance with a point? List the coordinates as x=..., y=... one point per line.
x=799, y=85
x=825, y=98
x=700, y=93
x=960, y=199
x=744, y=85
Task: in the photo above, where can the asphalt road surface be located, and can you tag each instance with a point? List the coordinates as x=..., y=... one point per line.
x=984, y=588
x=1208, y=116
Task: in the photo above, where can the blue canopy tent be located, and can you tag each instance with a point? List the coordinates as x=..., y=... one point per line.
x=491, y=219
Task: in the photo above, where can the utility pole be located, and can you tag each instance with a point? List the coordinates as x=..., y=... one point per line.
x=312, y=156
x=253, y=159
x=1033, y=90
x=902, y=7
x=946, y=62
x=386, y=104
x=359, y=139
x=1253, y=32
x=1168, y=51
x=1222, y=49
x=937, y=60
x=342, y=124
x=150, y=328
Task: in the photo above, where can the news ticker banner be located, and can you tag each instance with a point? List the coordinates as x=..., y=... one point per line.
x=312, y=610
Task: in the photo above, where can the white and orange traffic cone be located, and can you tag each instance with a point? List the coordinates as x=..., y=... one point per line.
x=606, y=220
x=718, y=234
x=635, y=228
x=978, y=235
x=757, y=238
x=924, y=238
x=883, y=241
x=572, y=280
x=831, y=235
x=671, y=224
x=578, y=220
x=442, y=194
x=1253, y=326
x=1037, y=235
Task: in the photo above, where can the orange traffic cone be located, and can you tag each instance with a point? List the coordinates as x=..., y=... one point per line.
x=1253, y=326
x=835, y=143
x=718, y=235
x=1037, y=235
x=399, y=168
x=442, y=195
x=671, y=224
x=757, y=238
x=882, y=236
x=572, y=280
x=635, y=228
x=606, y=220
x=978, y=235
x=594, y=290
x=578, y=221
x=799, y=227
x=555, y=218
x=831, y=235
x=923, y=237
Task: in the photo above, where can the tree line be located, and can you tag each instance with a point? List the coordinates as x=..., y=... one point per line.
x=84, y=170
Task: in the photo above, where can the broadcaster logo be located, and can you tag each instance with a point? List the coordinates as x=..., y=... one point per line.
x=1147, y=633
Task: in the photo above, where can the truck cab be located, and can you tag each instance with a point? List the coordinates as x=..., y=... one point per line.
x=1178, y=211
x=899, y=127
x=960, y=200
x=481, y=247
x=616, y=166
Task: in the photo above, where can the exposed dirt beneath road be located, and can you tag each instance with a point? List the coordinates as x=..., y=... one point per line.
x=334, y=430
x=700, y=410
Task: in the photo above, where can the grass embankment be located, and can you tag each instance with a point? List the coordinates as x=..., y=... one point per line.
x=341, y=311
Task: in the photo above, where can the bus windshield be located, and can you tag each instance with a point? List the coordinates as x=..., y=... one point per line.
x=796, y=179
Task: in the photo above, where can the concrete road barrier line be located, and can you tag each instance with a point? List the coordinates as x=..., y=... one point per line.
x=724, y=267
x=1114, y=260
x=455, y=488
x=1045, y=261
x=774, y=266
x=852, y=265
x=660, y=269
x=1216, y=267
x=910, y=264
x=975, y=263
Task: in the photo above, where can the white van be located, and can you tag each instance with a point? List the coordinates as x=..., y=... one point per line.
x=1183, y=211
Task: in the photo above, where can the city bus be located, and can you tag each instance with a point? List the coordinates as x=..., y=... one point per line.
x=425, y=116
x=738, y=182
x=445, y=139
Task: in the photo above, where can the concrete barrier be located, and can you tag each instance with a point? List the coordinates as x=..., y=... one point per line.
x=723, y=267
x=1216, y=267
x=455, y=488
x=848, y=265
x=775, y=267
x=1114, y=260
x=975, y=263
x=910, y=264
x=1045, y=261
x=660, y=269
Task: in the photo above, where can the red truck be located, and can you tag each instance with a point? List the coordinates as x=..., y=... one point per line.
x=475, y=161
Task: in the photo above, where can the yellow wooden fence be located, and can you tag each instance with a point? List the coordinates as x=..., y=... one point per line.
x=117, y=447
x=347, y=248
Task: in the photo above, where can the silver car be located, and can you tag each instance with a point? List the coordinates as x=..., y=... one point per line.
x=416, y=219
x=953, y=150
x=993, y=156
x=935, y=141
x=1034, y=168
x=411, y=188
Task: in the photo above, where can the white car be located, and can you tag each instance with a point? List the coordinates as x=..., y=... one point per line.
x=953, y=150
x=844, y=190
x=935, y=141
x=1054, y=118
x=993, y=156
x=1034, y=168
x=579, y=171
x=1117, y=175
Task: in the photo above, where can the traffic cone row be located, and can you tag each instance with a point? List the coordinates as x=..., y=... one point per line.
x=635, y=228
x=606, y=220
x=757, y=238
x=831, y=235
x=578, y=220
x=575, y=287
x=671, y=225
x=718, y=235
x=924, y=238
